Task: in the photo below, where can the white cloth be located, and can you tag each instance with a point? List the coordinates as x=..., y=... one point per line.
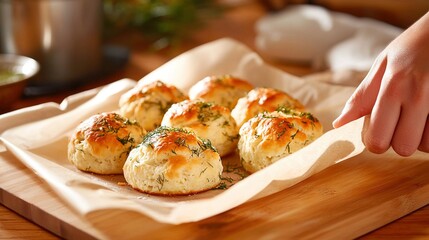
x=313, y=34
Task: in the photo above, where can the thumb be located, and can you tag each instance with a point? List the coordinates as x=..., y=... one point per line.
x=363, y=99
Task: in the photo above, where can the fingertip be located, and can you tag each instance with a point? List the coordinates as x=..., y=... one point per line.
x=404, y=151
x=377, y=145
x=337, y=122
x=375, y=148
x=423, y=148
x=346, y=116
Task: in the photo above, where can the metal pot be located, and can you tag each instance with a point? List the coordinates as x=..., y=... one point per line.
x=64, y=36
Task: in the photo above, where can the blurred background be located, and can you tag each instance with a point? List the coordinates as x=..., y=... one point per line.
x=77, y=42
x=396, y=12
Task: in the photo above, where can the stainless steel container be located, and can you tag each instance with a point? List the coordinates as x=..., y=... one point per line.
x=64, y=36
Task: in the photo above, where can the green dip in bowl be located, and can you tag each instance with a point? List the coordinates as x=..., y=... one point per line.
x=7, y=76
x=14, y=72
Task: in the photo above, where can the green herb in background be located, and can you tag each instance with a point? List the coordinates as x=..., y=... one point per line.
x=163, y=22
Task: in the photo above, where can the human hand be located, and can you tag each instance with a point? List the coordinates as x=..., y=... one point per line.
x=395, y=95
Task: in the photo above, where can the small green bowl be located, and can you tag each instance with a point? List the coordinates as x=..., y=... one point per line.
x=15, y=70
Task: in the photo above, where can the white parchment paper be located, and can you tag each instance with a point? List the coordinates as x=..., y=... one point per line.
x=39, y=139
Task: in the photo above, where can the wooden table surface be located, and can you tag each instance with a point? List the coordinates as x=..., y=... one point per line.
x=237, y=23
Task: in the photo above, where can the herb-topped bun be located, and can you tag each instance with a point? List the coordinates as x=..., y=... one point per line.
x=102, y=143
x=224, y=90
x=173, y=161
x=207, y=120
x=147, y=103
x=263, y=100
x=268, y=137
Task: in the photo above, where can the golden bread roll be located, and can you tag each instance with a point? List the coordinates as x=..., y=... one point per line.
x=268, y=137
x=102, y=143
x=261, y=100
x=224, y=90
x=147, y=103
x=207, y=120
x=173, y=161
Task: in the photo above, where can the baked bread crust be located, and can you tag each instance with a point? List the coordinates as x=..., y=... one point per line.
x=268, y=137
x=147, y=103
x=173, y=161
x=260, y=100
x=207, y=120
x=224, y=90
x=101, y=143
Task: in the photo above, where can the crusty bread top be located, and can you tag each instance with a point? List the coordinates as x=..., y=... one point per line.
x=170, y=139
x=195, y=111
x=224, y=90
x=207, y=120
x=261, y=100
x=106, y=129
x=168, y=93
x=278, y=129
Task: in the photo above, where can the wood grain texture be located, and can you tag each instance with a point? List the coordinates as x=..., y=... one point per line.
x=13, y=226
x=25, y=193
x=346, y=200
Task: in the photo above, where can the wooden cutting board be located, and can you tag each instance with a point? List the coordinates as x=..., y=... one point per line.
x=346, y=200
